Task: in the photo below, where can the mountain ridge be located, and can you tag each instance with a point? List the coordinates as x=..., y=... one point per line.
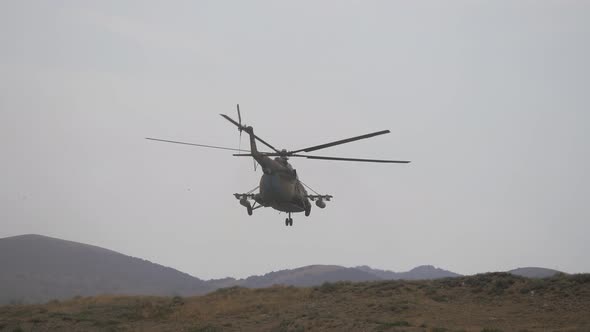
x=36, y=268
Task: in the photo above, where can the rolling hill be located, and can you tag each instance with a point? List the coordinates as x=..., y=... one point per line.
x=422, y=272
x=35, y=268
x=311, y=275
x=491, y=302
x=534, y=272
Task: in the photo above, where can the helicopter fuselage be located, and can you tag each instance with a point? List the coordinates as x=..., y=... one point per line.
x=282, y=192
x=280, y=187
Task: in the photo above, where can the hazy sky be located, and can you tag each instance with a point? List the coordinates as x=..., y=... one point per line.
x=489, y=99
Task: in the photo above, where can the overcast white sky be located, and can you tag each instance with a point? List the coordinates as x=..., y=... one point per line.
x=489, y=99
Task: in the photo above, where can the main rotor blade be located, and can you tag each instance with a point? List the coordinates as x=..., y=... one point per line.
x=242, y=127
x=268, y=154
x=239, y=115
x=194, y=144
x=354, y=159
x=232, y=121
x=343, y=141
x=271, y=154
x=263, y=142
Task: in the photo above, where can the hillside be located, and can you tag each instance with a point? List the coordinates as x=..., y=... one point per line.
x=488, y=302
x=423, y=272
x=314, y=275
x=534, y=272
x=37, y=268
x=311, y=275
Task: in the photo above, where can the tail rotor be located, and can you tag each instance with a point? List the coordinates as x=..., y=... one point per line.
x=240, y=129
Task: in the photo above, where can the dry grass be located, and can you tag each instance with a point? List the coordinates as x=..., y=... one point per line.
x=489, y=302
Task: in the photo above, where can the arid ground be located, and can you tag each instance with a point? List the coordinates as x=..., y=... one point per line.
x=485, y=302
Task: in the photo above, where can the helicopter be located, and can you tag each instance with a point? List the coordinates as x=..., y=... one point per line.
x=280, y=187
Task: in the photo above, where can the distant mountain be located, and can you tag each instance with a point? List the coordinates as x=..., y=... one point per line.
x=422, y=272
x=35, y=268
x=314, y=275
x=534, y=272
x=311, y=275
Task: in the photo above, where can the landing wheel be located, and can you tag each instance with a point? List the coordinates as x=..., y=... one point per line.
x=307, y=210
x=287, y=222
x=290, y=222
x=249, y=208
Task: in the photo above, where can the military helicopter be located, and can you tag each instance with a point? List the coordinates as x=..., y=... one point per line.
x=280, y=187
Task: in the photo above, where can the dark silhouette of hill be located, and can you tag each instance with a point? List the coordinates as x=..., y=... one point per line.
x=311, y=275
x=423, y=272
x=534, y=272
x=315, y=275
x=35, y=268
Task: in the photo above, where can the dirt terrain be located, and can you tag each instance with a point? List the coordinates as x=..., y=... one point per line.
x=485, y=302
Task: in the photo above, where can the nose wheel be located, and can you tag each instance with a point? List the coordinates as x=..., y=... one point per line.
x=289, y=221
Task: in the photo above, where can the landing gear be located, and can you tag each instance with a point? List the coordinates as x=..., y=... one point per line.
x=289, y=221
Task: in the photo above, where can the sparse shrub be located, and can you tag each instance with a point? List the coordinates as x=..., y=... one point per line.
x=177, y=300
x=491, y=330
x=582, y=278
x=439, y=298
x=449, y=282
x=229, y=290
x=430, y=291
x=538, y=284
x=327, y=287
x=477, y=290
x=500, y=285
x=438, y=329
